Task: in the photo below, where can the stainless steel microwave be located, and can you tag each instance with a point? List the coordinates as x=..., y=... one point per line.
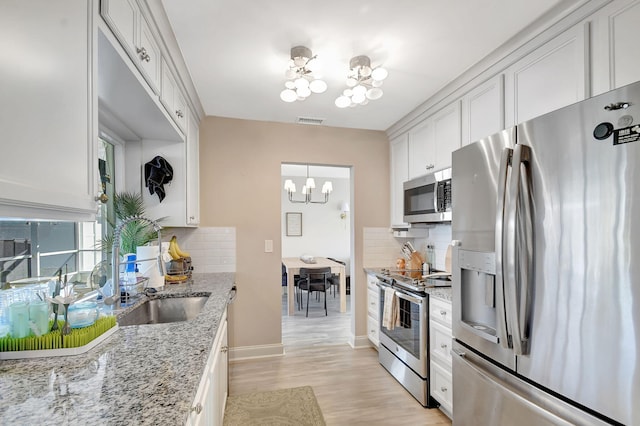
x=428, y=198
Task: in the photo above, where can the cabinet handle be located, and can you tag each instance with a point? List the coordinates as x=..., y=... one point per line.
x=443, y=389
x=197, y=408
x=192, y=217
x=430, y=166
x=443, y=313
x=443, y=346
x=103, y=198
x=142, y=52
x=179, y=113
x=224, y=349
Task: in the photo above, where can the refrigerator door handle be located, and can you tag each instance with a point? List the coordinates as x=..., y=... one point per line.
x=517, y=238
x=502, y=332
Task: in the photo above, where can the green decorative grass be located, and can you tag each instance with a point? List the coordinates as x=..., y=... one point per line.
x=55, y=339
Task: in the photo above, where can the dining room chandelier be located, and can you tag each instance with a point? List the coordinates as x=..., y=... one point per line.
x=307, y=190
x=300, y=79
x=363, y=83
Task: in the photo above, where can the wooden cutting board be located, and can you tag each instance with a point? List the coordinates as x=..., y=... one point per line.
x=447, y=260
x=415, y=265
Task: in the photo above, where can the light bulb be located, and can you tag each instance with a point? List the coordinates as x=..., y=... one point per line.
x=357, y=98
x=303, y=92
x=351, y=81
x=347, y=92
x=288, y=95
x=377, y=83
x=290, y=74
x=318, y=86
x=299, y=61
x=379, y=74
x=343, y=102
x=301, y=83
x=365, y=71
x=289, y=84
x=359, y=90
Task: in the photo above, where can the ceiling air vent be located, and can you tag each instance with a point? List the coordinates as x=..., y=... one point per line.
x=310, y=120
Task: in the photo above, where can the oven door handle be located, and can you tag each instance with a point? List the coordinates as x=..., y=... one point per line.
x=401, y=294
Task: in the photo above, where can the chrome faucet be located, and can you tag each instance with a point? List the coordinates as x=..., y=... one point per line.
x=115, y=253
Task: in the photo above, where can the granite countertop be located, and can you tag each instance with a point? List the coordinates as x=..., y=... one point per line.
x=146, y=374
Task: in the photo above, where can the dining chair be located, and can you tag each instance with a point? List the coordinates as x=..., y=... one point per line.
x=334, y=279
x=314, y=279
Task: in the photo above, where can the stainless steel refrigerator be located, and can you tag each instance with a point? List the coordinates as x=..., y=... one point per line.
x=546, y=269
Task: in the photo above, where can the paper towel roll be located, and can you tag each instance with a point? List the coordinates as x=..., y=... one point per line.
x=150, y=268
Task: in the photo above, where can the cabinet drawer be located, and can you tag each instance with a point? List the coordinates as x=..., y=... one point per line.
x=440, y=342
x=441, y=387
x=373, y=303
x=373, y=330
x=440, y=310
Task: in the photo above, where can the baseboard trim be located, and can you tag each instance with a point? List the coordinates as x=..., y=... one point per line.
x=360, y=342
x=258, y=351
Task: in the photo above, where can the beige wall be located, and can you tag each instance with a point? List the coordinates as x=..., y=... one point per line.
x=240, y=187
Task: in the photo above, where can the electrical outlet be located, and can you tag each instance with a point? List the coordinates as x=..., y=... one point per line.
x=268, y=246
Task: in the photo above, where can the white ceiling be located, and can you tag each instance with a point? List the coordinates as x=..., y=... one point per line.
x=237, y=50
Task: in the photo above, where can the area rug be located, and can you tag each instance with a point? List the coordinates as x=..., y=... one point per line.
x=293, y=406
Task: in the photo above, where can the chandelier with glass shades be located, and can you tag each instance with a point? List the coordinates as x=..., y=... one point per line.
x=363, y=83
x=300, y=79
x=307, y=190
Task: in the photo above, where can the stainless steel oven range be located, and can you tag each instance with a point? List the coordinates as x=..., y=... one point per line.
x=404, y=351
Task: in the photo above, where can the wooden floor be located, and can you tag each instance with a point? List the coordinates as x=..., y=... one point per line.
x=352, y=388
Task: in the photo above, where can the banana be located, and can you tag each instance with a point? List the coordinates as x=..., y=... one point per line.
x=181, y=252
x=173, y=245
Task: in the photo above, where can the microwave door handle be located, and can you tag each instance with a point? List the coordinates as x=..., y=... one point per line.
x=515, y=258
x=501, y=321
x=435, y=196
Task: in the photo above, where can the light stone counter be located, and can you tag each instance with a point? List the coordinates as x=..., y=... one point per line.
x=146, y=374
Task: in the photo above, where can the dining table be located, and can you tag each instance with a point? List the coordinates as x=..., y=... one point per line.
x=293, y=265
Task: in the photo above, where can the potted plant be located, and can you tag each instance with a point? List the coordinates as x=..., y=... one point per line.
x=134, y=234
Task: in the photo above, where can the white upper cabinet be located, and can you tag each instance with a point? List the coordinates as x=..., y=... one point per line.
x=432, y=141
x=446, y=130
x=172, y=98
x=47, y=115
x=132, y=31
x=193, y=172
x=551, y=77
x=421, y=149
x=399, y=174
x=483, y=110
x=616, y=33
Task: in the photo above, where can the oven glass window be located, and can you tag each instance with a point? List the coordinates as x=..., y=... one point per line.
x=419, y=200
x=407, y=334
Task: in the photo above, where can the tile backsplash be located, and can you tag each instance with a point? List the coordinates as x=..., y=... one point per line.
x=212, y=249
x=380, y=248
x=440, y=237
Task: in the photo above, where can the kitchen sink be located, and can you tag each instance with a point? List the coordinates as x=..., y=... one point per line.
x=159, y=311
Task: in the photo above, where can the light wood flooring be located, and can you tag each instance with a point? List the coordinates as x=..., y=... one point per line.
x=352, y=388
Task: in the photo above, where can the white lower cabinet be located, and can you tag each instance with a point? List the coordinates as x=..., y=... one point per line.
x=440, y=337
x=209, y=403
x=373, y=310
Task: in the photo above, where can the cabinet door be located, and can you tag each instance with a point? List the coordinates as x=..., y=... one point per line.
x=399, y=174
x=219, y=376
x=193, y=172
x=123, y=17
x=421, y=149
x=551, y=77
x=483, y=110
x=442, y=387
x=148, y=56
x=47, y=114
x=616, y=33
x=446, y=135
x=168, y=88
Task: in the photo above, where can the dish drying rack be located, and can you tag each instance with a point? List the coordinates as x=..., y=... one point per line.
x=130, y=292
x=180, y=266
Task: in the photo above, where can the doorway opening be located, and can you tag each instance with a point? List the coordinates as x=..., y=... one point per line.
x=313, y=228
